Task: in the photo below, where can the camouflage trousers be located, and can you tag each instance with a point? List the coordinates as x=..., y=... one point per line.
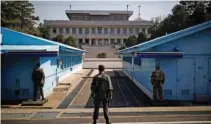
x=97, y=103
x=157, y=91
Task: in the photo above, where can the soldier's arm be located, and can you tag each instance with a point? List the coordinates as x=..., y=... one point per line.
x=110, y=88
x=151, y=78
x=163, y=75
x=33, y=75
x=43, y=75
x=93, y=86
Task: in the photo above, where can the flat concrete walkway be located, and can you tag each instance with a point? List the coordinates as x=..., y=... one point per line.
x=73, y=116
x=129, y=109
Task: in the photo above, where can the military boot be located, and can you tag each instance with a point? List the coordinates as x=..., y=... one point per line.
x=94, y=122
x=108, y=122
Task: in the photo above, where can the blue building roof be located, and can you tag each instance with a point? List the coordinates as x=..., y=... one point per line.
x=19, y=40
x=167, y=38
x=22, y=48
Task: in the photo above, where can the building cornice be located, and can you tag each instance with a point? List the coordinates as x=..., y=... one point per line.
x=96, y=23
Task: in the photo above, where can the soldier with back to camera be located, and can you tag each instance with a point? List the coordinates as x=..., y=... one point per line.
x=38, y=78
x=101, y=92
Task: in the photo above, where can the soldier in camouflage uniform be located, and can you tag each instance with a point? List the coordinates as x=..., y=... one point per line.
x=157, y=80
x=101, y=92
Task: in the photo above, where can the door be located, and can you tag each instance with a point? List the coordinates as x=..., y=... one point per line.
x=209, y=77
x=201, y=78
x=185, y=78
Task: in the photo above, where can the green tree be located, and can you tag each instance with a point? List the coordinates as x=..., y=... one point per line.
x=197, y=11
x=132, y=40
x=70, y=41
x=122, y=47
x=44, y=31
x=208, y=9
x=59, y=38
x=184, y=15
x=141, y=38
x=18, y=15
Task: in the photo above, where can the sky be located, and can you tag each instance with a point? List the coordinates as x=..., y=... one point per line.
x=55, y=10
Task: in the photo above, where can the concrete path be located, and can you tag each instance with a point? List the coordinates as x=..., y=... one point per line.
x=108, y=63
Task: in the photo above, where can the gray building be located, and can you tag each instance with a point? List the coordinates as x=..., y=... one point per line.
x=98, y=28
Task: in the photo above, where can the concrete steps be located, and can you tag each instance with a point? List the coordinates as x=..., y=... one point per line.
x=92, y=51
x=61, y=88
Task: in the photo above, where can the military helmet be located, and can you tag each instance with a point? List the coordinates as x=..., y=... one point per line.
x=157, y=66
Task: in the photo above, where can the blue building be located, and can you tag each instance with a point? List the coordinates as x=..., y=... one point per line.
x=184, y=56
x=19, y=54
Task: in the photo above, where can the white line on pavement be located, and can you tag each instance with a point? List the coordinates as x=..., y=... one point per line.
x=177, y=122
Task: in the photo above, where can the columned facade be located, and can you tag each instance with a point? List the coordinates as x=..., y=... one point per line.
x=99, y=28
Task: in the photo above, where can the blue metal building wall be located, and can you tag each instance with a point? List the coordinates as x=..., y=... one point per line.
x=55, y=73
x=197, y=47
x=17, y=68
x=20, y=67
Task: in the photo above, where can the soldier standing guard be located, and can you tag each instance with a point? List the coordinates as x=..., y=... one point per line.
x=157, y=81
x=101, y=91
x=38, y=78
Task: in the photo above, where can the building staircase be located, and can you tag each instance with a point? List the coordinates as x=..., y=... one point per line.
x=92, y=51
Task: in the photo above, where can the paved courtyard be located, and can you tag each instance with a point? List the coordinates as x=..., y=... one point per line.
x=108, y=63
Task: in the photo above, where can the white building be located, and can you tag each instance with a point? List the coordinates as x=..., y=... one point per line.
x=98, y=27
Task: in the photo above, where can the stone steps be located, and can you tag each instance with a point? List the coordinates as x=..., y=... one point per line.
x=61, y=88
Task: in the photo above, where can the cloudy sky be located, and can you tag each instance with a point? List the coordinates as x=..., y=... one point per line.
x=55, y=10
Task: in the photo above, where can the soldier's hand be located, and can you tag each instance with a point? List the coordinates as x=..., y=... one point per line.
x=110, y=97
x=93, y=95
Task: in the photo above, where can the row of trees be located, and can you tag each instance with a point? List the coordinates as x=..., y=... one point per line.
x=133, y=40
x=68, y=41
x=184, y=15
x=18, y=15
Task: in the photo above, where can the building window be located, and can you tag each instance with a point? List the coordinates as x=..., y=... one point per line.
x=67, y=31
x=99, y=30
x=131, y=30
x=86, y=30
x=143, y=29
x=93, y=30
x=112, y=41
x=124, y=30
x=124, y=41
x=60, y=30
x=54, y=30
x=112, y=31
x=73, y=30
x=105, y=30
x=137, y=30
x=80, y=31
x=118, y=30
x=118, y=41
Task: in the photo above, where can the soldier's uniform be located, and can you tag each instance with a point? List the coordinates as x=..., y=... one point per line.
x=38, y=78
x=157, y=80
x=101, y=91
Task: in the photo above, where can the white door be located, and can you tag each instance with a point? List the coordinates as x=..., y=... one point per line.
x=185, y=78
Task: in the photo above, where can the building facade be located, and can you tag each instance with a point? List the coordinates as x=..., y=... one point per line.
x=98, y=28
x=184, y=57
x=20, y=52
